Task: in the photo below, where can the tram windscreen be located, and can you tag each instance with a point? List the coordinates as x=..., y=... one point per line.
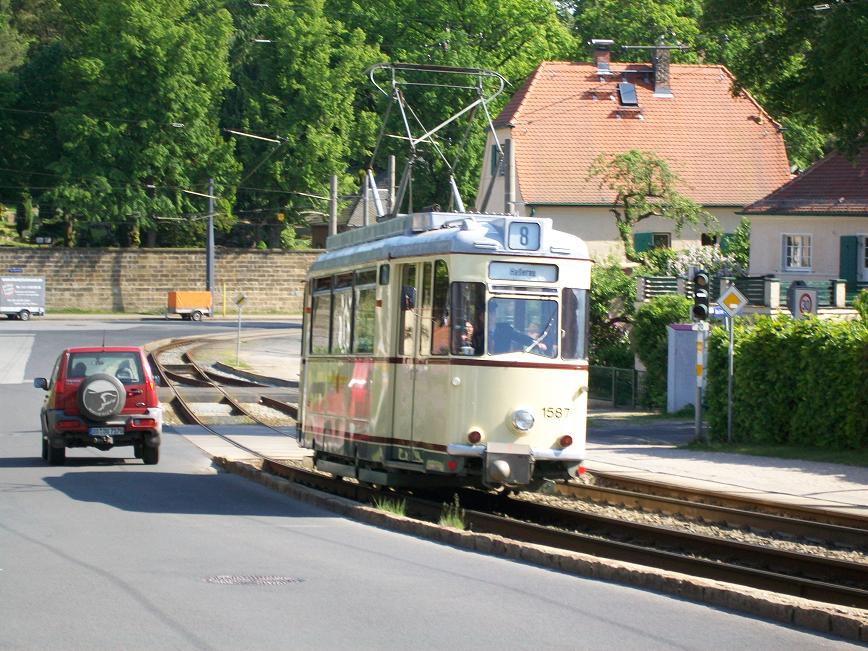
x=522, y=325
x=574, y=337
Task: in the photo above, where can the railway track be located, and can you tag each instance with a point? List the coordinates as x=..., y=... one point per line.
x=758, y=566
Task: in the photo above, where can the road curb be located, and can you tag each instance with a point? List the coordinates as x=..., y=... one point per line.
x=840, y=621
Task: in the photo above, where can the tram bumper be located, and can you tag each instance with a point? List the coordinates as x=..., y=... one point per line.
x=513, y=464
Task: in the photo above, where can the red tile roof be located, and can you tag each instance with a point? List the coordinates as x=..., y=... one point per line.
x=726, y=149
x=831, y=186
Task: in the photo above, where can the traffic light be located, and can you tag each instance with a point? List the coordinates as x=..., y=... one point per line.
x=700, y=296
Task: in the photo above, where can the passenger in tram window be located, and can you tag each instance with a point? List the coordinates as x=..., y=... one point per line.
x=502, y=337
x=467, y=344
x=533, y=332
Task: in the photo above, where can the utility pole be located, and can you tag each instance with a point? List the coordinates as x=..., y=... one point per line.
x=209, y=247
x=333, y=206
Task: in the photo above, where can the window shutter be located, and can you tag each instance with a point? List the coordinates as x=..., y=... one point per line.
x=642, y=241
x=848, y=268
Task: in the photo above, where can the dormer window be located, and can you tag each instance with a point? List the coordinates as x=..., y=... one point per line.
x=627, y=94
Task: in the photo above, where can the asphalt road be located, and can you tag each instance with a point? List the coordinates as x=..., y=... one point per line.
x=106, y=553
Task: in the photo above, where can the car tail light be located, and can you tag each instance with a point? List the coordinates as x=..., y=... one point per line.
x=566, y=441
x=143, y=422
x=76, y=425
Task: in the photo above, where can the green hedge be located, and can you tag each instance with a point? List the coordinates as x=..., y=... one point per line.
x=800, y=382
x=651, y=342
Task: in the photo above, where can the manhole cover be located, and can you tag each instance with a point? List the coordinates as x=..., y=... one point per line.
x=228, y=579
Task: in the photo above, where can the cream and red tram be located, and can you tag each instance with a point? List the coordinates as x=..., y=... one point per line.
x=447, y=348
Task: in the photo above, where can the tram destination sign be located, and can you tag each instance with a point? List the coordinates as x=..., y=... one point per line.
x=541, y=273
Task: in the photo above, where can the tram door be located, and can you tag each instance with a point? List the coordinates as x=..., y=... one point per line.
x=414, y=293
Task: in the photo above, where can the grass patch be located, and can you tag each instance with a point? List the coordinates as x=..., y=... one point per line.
x=845, y=457
x=392, y=505
x=452, y=515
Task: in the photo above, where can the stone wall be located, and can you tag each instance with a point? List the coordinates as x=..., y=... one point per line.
x=138, y=280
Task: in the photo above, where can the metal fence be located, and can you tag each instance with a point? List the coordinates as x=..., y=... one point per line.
x=619, y=386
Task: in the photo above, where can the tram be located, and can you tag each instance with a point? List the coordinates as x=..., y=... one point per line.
x=447, y=349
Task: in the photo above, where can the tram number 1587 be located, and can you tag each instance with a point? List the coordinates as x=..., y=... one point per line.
x=556, y=412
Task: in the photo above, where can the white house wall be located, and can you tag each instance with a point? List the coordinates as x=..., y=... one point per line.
x=766, y=245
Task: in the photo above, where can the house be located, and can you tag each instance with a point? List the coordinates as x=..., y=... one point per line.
x=815, y=227
x=726, y=149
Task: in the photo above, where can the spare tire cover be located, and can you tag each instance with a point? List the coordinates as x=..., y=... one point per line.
x=101, y=396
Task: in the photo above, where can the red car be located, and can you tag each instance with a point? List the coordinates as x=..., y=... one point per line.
x=101, y=397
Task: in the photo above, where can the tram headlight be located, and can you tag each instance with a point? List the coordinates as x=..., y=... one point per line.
x=522, y=419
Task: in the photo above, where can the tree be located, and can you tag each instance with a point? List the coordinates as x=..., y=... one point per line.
x=13, y=44
x=23, y=215
x=510, y=37
x=611, y=308
x=805, y=62
x=301, y=87
x=644, y=187
x=142, y=82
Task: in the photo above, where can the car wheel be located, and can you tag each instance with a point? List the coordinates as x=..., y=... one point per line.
x=55, y=456
x=137, y=450
x=24, y=315
x=151, y=456
x=44, y=448
x=101, y=396
x=196, y=315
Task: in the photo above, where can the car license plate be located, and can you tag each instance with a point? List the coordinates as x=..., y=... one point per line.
x=106, y=431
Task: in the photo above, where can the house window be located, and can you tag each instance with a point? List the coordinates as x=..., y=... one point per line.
x=708, y=239
x=497, y=169
x=661, y=240
x=797, y=252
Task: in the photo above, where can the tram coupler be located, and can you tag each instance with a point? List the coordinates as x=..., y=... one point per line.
x=507, y=463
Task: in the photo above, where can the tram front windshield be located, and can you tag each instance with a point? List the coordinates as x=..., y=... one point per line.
x=527, y=325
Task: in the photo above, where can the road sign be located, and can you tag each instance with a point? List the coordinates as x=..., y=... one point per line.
x=240, y=300
x=805, y=302
x=731, y=301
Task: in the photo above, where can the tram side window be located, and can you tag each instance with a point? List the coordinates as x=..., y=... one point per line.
x=363, y=317
x=440, y=310
x=468, y=312
x=342, y=314
x=574, y=333
x=321, y=315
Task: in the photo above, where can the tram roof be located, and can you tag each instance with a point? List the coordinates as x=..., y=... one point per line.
x=441, y=233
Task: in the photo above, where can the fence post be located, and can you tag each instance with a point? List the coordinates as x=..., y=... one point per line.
x=839, y=292
x=772, y=293
x=640, y=289
x=614, y=371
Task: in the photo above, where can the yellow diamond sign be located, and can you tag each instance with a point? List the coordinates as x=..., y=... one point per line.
x=731, y=301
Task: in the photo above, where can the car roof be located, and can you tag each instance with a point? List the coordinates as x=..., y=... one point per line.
x=105, y=349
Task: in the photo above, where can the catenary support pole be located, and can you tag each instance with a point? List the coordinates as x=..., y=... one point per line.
x=209, y=248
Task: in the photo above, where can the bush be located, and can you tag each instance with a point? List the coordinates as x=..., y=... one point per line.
x=613, y=293
x=801, y=382
x=651, y=342
x=860, y=304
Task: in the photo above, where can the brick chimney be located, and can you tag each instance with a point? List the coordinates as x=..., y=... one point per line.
x=661, y=60
x=602, y=55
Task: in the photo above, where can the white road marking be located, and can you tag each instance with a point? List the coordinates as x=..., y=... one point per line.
x=14, y=353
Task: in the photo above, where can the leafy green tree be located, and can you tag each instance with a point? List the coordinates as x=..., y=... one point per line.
x=142, y=82
x=13, y=43
x=802, y=61
x=299, y=86
x=642, y=23
x=24, y=215
x=508, y=36
x=644, y=187
x=613, y=294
